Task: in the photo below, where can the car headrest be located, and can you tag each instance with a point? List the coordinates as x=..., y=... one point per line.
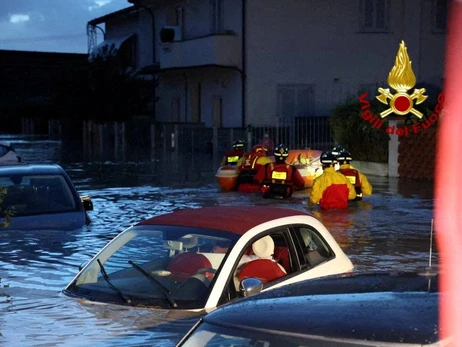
x=189, y=241
x=264, y=248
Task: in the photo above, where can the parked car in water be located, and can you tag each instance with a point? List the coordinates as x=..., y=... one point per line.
x=195, y=259
x=40, y=196
x=8, y=154
x=375, y=309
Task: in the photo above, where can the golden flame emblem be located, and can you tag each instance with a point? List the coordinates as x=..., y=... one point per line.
x=401, y=78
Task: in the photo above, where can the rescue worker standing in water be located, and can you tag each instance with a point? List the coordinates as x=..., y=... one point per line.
x=232, y=156
x=331, y=190
x=279, y=179
x=359, y=180
x=248, y=166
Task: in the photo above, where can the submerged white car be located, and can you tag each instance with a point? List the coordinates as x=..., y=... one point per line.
x=196, y=259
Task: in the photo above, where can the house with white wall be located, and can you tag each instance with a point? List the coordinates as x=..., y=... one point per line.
x=234, y=63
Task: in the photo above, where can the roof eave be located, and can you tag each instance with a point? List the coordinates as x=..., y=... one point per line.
x=112, y=15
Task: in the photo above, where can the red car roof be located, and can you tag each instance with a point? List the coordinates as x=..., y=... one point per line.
x=235, y=219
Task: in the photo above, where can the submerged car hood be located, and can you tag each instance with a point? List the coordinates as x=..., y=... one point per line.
x=388, y=309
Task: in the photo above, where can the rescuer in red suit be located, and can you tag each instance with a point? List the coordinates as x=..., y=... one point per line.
x=248, y=166
x=232, y=157
x=357, y=179
x=279, y=179
x=331, y=190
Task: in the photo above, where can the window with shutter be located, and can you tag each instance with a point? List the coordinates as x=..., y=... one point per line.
x=374, y=15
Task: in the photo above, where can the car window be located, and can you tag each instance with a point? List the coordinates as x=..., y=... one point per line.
x=37, y=194
x=266, y=258
x=312, y=249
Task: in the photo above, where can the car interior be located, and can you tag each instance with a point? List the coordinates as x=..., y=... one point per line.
x=29, y=195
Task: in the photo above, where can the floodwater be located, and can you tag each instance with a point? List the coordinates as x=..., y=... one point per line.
x=390, y=230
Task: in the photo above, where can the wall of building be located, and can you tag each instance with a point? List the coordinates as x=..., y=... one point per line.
x=214, y=83
x=319, y=43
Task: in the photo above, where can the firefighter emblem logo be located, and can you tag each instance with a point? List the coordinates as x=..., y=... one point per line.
x=401, y=78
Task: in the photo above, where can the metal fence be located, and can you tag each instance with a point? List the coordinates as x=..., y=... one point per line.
x=301, y=133
x=140, y=136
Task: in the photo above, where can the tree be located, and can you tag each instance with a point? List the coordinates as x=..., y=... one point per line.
x=7, y=212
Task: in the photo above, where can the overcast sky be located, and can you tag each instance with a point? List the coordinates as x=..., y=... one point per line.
x=51, y=25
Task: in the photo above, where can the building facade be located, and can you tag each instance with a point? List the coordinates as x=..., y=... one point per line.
x=234, y=63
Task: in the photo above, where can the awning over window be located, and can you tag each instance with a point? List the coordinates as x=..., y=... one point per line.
x=110, y=46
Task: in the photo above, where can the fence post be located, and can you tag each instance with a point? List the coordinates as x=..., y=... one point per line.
x=115, y=127
x=215, y=142
x=175, y=138
x=124, y=142
x=165, y=138
x=101, y=139
x=153, y=137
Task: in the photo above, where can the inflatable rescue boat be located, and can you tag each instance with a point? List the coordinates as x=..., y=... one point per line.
x=305, y=160
x=227, y=177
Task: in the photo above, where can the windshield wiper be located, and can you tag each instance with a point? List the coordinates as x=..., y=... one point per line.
x=106, y=278
x=159, y=285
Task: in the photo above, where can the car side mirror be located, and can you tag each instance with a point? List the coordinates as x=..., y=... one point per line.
x=86, y=202
x=250, y=286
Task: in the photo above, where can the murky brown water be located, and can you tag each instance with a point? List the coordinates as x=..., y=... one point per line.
x=388, y=231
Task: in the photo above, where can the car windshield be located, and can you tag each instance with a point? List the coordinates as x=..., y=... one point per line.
x=156, y=266
x=26, y=195
x=210, y=335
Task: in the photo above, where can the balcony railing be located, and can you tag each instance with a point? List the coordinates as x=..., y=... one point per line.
x=224, y=50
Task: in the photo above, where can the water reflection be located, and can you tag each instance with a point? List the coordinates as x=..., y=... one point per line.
x=389, y=230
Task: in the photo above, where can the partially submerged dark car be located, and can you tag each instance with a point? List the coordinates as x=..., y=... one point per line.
x=378, y=309
x=40, y=196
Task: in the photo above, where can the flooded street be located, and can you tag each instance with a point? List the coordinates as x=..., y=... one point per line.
x=389, y=230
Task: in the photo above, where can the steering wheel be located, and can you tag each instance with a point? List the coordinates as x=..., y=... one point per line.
x=206, y=269
x=207, y=272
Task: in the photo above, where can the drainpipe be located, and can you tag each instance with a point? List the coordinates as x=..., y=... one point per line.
x=243, y=72
x=136, y=3
x=185, y=98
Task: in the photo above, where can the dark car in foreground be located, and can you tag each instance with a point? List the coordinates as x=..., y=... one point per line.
x=375, y=309
x=40, y=196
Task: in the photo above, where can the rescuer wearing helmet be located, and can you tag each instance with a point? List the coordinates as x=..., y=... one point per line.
x=247, y=167
x=336, y=151
x=359, y=180
x=231, y=157
x=331, y=189
x=279, y=179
